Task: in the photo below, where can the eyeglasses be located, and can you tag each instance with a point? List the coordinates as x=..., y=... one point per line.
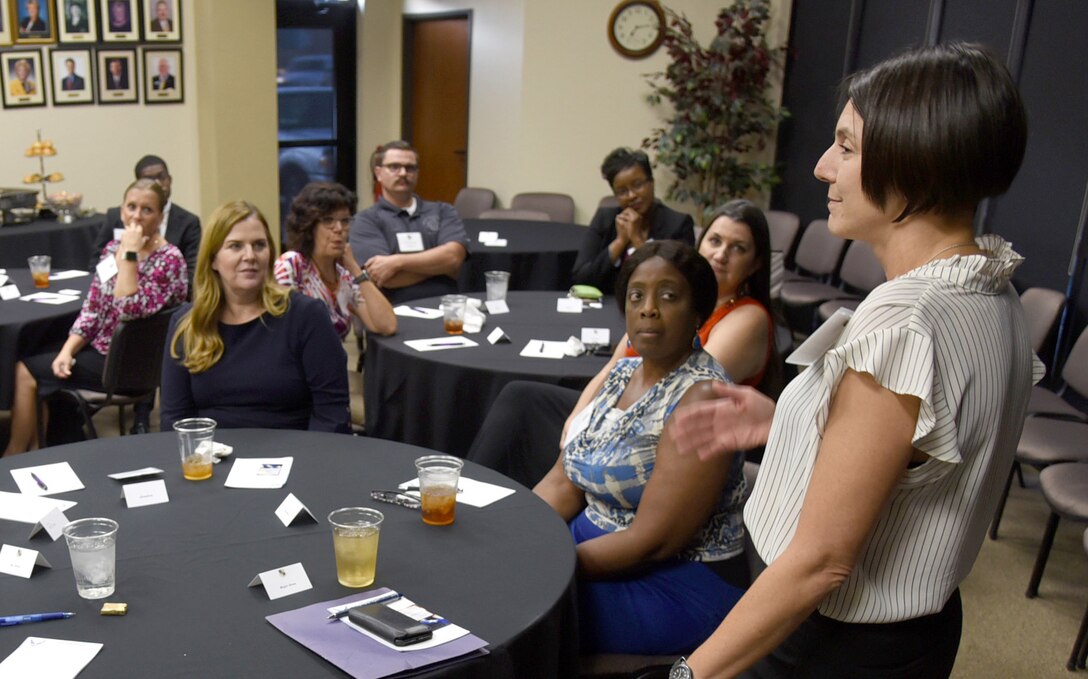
x=395, y=168
x=335, y=224
x=631, y=189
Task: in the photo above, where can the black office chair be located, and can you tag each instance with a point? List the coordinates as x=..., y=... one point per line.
x=132, y=372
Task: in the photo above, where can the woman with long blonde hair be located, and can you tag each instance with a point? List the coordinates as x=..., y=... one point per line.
x=248, y=352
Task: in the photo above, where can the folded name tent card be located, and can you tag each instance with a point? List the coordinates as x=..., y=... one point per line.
x=596, y=336
x=283, y=581
x=21, y=561
x=291, y=510
x=259, y=472
x=66, y=274
x=52, y=658
x=135, y=474
x=47, y=479
x=9, y=292
x=497, y=306
x=497, y=336
x=53, y=522
x=568, y=305
x=497, y=243
x=440, y=343
x=416, y=312
x=69, y=291
x=28, y=508
x=3, y=279
x=145, y=493
x=469, y=491
x=361, y=656
x=485, y=237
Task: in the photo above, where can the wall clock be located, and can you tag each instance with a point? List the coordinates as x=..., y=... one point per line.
x=636, y=28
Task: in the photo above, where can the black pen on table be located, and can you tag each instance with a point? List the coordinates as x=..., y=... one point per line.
x=8, y=620
x=41, y=484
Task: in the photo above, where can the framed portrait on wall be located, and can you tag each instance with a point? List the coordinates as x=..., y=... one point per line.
x=118, y=79
x=22, y=75
x=120, y=20
x=163, y=77
x=5, y=24
x=162, y=20
x=76, y=20
x=32, y=22
x=73, y=77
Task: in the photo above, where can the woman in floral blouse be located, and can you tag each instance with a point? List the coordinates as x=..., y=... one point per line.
x=139, y=275
x=319, y=263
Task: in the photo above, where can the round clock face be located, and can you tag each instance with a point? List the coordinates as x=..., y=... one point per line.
x=636, y=28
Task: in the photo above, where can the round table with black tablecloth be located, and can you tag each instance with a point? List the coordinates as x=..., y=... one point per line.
x=438, y=399
x=70, y=245
x=538, y=255
x=504, y=571
x=27, y=327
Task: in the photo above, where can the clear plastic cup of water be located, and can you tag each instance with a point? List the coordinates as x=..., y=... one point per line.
x=92, y=544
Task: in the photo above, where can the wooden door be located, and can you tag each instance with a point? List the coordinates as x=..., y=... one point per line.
x=436, y=93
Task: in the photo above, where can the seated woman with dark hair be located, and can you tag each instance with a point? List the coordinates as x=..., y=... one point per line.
x=248, y=352
x=739, y=334
x=657, y=535
x=138, y=276
x=616, y=232
x=320, y=264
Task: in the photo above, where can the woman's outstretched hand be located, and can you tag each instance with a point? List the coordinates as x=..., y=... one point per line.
x=739, y=419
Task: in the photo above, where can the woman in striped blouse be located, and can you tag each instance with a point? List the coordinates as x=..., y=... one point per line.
x=885, y=457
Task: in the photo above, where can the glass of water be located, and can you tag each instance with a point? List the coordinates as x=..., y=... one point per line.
x=92, y=544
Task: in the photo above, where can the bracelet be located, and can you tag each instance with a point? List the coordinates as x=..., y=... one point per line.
x=361, y=278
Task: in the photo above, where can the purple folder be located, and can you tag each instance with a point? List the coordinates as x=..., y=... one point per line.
x=357, y=654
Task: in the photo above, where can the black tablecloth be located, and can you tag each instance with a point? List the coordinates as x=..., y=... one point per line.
x=538, y=255
x=438, y=399
x=70, y=245
x=504, y=572
x=27, y=327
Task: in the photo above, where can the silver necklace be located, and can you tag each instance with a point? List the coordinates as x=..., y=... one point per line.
x=950, y=247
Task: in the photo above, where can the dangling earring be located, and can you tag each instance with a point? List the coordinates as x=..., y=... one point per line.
x=696, y=343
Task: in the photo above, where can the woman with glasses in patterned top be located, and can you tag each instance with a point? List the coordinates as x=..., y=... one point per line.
x=320, y=264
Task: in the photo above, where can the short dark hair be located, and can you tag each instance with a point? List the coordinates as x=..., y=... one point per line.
x=944, y=128
x=150, y=161
x=622, y=158
x=314, y=202
x=691, y=265
x=378, y=157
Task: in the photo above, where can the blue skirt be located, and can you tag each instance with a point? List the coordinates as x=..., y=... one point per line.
x=667, y=608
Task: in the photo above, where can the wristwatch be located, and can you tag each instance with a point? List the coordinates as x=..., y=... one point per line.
x=362, y=277
x=680, y=670
x=131, y=256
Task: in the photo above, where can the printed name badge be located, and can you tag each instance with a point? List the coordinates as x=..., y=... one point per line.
x=281, y=582
x=410, y=242
x=579, y=423
x=145, y=493
x=292, y=510
x=20, y=561
x=106, y=268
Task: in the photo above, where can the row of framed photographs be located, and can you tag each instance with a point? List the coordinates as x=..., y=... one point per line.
x=26, y=22
x=80, y=76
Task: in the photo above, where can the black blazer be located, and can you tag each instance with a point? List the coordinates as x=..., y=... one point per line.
x=183, y=230
x=593, y=266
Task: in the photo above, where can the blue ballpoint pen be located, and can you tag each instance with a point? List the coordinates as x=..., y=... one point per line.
x=7, y=620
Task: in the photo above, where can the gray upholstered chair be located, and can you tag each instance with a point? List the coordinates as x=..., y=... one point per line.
x=526, y=215
x=470, y=202
x=861, y=272
x=817, y=254
x=1065, y=487
x=608, y=201
x=784, y=227
x=559, y=206
x=1041, y=309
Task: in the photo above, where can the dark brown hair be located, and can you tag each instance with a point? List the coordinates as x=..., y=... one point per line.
x=316, y=201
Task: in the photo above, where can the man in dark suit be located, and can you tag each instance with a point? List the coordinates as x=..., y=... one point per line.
x=32, y=24
x=163, y=80
x=71, y=81
x=179, y=226
x=162, y=22
x=76, y=20
x=117, y=78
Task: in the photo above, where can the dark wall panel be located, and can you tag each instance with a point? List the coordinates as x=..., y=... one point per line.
x=989, y=22
x=888, y=27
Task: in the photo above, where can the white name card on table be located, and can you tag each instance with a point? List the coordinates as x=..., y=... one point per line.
x=259, y=472
x=3, y=278
x=497, y=243
x=66, y=274
x=53, y=658
x=145, y=493
x=53, y=522
x=135, y=474
x=49, y=298
x=440, y=343
x=47, y=479
x=497, y=336
x=485, y=237
x=416, y=312
x=72, y=292
x=9, y=292
x=27, y=508
x=410, y=241
x=292, y=510
x=568, y=305
x=544, y=349
x=20, y=561
x=469, y=491
x=281, y=582
x=596, y=336
x=497, y=306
